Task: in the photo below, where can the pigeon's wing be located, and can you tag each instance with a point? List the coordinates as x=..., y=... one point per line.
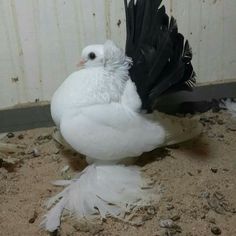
x=130, y=97
x=110, y=132
x=161, y=57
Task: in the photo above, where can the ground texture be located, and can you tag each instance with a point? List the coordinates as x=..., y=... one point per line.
x=198, y=182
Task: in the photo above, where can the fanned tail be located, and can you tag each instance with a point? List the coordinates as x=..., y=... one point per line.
x=161, y=57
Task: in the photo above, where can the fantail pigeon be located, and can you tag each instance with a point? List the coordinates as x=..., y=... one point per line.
x=106, y=112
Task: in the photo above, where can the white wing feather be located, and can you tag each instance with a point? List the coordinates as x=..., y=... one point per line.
x=110, y=132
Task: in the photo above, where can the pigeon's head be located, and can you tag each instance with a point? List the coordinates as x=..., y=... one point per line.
x=107, y=55
x=92, y=55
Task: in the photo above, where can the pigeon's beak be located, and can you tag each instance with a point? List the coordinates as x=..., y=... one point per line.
x=81, y=63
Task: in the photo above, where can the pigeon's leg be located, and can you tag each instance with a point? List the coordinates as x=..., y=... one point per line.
x=125, y=161
x=91, y=160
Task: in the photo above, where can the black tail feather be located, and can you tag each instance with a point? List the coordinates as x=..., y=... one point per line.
x=161, y=58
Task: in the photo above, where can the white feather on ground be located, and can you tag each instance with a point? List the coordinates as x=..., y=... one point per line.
x=100, y=191
x=230, y=106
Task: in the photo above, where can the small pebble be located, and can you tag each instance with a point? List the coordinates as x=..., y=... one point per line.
x=36, y=152
x=214, y=170
x=216, y=230
x=219, y=195
x=231, y=126
x=175, y=217
x=212, y=122
x=151, y=210
x=220, y=122
x=169, y=199
x=177, y=228
x=212, y=220
x=170, y=232
x=167, y=223
x=205, y=194
x=56, y=157
x=146, y=218
x=203, y=216
x=33, y=218
x=20, y=136
x=189, y=234
x=10, y=135
x=170, y=207
x=211, y=135
x=57, y=151
x=173, y=230
x=45, y=136
x=204, y=120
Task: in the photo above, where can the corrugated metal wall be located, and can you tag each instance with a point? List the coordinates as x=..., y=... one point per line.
x=41, y=40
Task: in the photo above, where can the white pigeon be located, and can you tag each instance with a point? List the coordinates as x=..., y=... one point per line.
x=101, y=99
x=99, y=112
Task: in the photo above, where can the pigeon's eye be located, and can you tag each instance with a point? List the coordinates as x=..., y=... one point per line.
x=92, y=56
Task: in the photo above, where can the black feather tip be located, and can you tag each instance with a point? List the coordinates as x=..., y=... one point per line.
x=161, y=56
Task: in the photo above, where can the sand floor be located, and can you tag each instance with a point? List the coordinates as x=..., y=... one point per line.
x=198, y=182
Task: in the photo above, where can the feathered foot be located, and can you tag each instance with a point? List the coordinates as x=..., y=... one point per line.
x=101, y=191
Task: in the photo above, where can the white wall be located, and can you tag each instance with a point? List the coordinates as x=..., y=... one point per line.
x=41, y=40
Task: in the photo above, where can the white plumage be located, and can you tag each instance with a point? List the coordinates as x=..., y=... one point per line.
x=97, y=110
x=230, y=106
x=105, y=190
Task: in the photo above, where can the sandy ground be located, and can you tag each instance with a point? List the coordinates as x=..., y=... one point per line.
x=198, y=183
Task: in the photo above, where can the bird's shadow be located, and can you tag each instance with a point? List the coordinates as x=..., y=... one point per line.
x=197, y=148
x=155, y=155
